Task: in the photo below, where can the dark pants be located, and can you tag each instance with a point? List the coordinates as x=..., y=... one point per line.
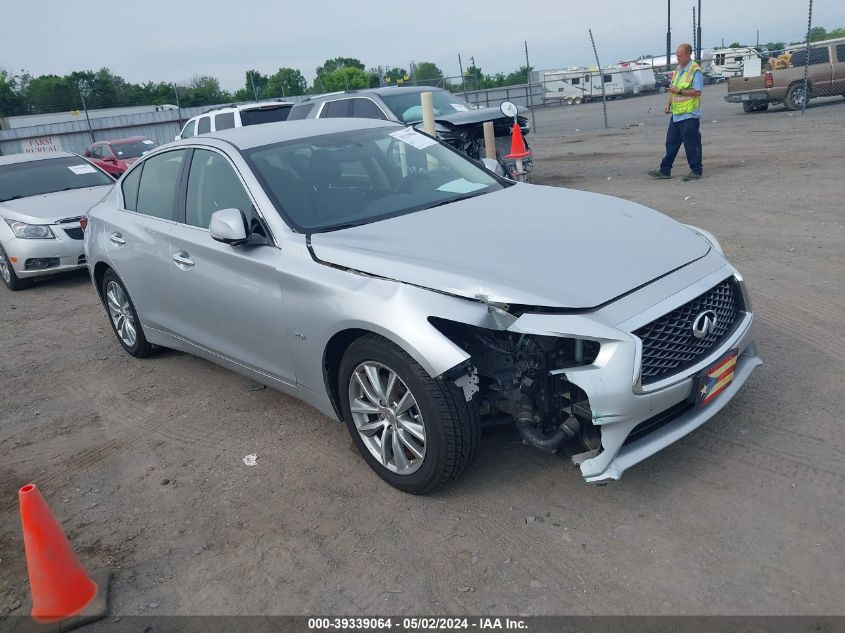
x=684, y=132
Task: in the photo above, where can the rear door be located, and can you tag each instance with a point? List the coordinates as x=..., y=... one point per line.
x=137, y=237
x=226, y=298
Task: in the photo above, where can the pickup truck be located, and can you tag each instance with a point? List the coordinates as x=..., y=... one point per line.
x=826, y=78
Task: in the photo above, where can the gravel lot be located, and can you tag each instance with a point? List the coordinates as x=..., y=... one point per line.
x=141, y=460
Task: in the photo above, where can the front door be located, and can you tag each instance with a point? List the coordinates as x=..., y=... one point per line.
x=226, y=298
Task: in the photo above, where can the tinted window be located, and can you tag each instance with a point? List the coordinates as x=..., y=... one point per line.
x=265, y=114
x=366, y=109
x=840, y=52
x=133, y=149
x=33, y=178
x=608, y=79
x=817, y=56
x=159, y=184
x=407, y=106
x=339, y=108
x=212, y=186
x=188, y=132
x=130, y=189
x=300, y=111
x=204, y=125
x=225, y=121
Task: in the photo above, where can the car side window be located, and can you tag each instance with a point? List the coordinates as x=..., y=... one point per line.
x=130, y=189
x=820, y=55
x=840, y=53
x=204, y=125
x=188, y=132
x=337, y=108
x=213, y=185
x=224, y=121
x=366, y=109
x=105, y=151
x=160, y=184
x=300, y=111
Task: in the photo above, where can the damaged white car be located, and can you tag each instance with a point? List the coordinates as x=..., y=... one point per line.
x=402, y=288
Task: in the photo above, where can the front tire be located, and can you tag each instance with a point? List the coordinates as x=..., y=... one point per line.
x=416, y=432
x=7, y=274
x=123, y=317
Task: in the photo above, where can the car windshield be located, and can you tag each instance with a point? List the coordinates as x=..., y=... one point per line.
x=33, y=178
x=406, y=105
x=265, y=114
x=133, y=149
x=334, y=181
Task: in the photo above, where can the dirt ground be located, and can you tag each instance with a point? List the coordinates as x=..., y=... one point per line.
x=142, y=460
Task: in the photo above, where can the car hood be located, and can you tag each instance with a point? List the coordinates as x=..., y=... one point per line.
x=527, y=245
x=472, y=116
x=49, y=207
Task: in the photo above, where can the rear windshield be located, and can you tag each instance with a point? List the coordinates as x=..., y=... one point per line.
x=407, y=106
x=133, y=149
x=267, y=114
x=34, y=178
x=300, y=111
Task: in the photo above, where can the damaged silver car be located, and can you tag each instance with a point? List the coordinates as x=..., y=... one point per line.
x=398, y=286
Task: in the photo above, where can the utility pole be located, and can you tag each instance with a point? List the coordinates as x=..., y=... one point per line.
x=472, y=65
x=758, y=37
x=601, y=75
x=530, y=91
x=694, y=47
x=178, y=107
x=668, y=33
x=252, y=81
x=698, y=35
x=85, y=107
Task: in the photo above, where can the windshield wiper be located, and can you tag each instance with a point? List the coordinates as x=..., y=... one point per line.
x=457, y=199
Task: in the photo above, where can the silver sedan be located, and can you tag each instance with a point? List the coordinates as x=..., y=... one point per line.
x=402, y=288
x=42, y=198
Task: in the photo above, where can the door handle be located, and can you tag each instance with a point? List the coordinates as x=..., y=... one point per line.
x=117, y=239
x=183, y=260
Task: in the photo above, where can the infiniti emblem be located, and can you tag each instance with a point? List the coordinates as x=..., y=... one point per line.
x=704, y=324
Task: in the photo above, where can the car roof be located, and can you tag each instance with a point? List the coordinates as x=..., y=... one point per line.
x=385, y=91
x=121, y=141
x=237, y=107
x=269, y=133
x=13, y=159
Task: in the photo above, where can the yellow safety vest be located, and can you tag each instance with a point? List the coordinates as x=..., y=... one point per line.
x=685, y=104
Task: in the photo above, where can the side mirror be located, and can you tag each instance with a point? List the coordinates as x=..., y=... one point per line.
x=227, y=226
x=110, y=159
x=178, y=137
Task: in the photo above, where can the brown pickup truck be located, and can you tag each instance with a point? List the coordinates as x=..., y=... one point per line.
x=826, y=78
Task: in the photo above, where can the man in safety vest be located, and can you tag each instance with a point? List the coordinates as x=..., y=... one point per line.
x=685, y=106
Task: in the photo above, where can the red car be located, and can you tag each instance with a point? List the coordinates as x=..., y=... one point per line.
x=117, y=155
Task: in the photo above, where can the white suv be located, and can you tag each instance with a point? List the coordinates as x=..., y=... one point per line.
x=241, y=115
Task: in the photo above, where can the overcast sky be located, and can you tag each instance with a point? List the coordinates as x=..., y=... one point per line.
x=172, y=40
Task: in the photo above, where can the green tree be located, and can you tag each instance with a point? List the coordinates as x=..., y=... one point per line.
x=775, y=46
x=519, y=76
x=818, y=33
x=836, y=33
x=203, y=90
x=336, y=63
x=428, y=73
x=255, y=84
x=12, y=102
x=51, y=93
x=344, y=78
x=285, y=82
x=396, y=77
x=734, y=45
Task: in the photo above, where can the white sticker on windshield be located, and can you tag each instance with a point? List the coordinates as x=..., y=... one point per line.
x=413, y=138
x=461, y=185
x=82, y=169
x=460, y=107
x=147, y=141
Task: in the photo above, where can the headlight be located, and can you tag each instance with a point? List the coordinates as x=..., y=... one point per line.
x=707, y=235
x=26, y=231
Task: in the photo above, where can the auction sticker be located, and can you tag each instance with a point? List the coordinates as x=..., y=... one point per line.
x=82, y=169
x=413, y=138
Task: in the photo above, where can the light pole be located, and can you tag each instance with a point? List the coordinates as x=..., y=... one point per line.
x=668, y=33
x=698, y=36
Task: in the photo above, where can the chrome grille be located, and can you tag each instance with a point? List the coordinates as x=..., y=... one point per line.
x=669, y=345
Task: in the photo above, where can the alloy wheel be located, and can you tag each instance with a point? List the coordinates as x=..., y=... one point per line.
x=121, y=313
x=4, y=268
x=387, y=417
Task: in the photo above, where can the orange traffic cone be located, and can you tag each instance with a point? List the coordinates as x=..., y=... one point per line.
x=518, y=149
x=60, y=586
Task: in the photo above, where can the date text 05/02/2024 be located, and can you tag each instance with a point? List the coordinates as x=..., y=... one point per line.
x=416, y=624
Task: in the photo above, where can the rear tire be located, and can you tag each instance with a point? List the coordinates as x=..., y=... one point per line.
x=7, y=274
x=443, y=426
x=123, y=317
x=795, y=97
